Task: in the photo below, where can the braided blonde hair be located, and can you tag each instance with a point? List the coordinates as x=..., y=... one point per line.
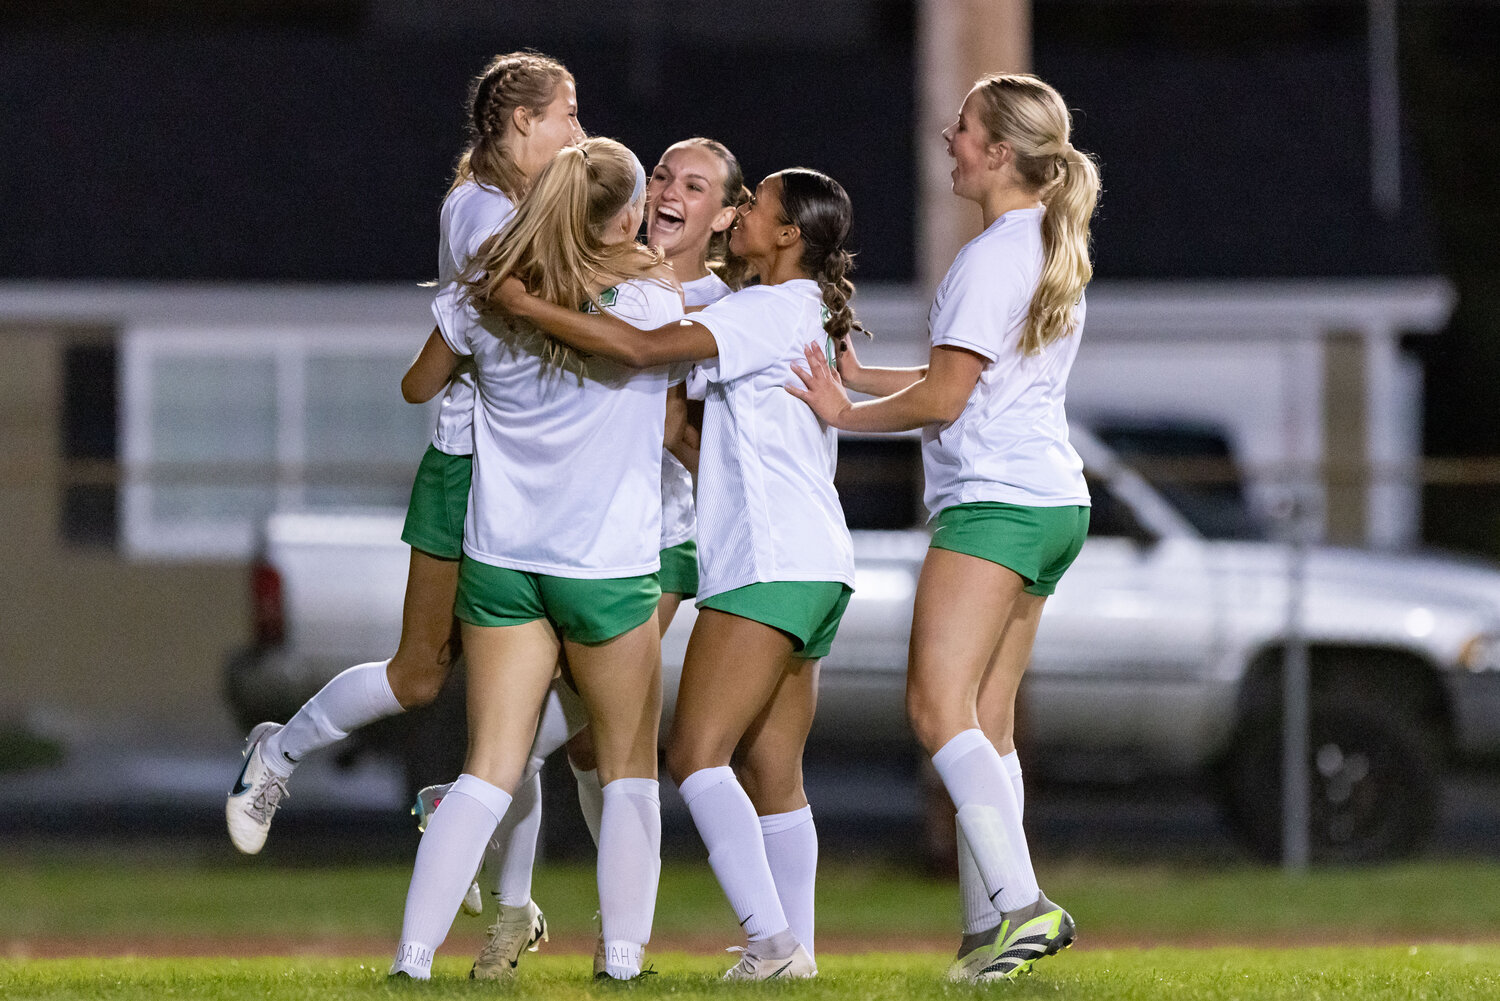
x=1020, y=109
x=514, y=80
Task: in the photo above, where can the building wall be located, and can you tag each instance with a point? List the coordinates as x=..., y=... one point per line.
x=91, y=644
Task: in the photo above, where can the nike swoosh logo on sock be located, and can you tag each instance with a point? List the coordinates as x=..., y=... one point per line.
x=742, y=923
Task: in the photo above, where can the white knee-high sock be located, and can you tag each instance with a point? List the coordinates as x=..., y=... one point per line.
x=792, y=852
x=447, y=856
x=552, y=728
x=355, y=697
x=590, y=798
x=730, y=830
x=629, y=871
x=510, y=855
x=988, y=817
x=979, y=914
x=1012, y=763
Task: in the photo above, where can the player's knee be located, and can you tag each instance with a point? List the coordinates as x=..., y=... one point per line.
x=933, y=718
x=771, y=786
x=416, y=682
x=581, y=753
x=686, y=755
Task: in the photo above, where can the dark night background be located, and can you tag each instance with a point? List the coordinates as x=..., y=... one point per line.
x=303, y=142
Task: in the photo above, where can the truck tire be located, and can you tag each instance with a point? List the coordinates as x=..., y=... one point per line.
x=1374, y=786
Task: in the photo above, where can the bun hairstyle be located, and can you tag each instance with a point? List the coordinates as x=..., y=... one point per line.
x=1020, y=109
x=724, y=264
x=554, y=243
x=514, y=80
x=819, y=207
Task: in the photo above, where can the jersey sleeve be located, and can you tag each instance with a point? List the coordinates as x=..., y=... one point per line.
x=647, y=305
x=491, y=214
x=978, y=305
x=748, y=329
x=455, y=318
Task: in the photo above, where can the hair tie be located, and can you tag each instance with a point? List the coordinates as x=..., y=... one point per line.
x=584, y=152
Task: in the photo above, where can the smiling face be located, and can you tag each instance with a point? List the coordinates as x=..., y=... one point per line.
x=685, y=203
x=973, y=152
x=760, y=220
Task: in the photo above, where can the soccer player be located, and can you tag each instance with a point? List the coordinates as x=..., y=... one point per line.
x=567, y=468
x=1006, y=491
x=691, y=199
x=776, y=563
x=522, y=109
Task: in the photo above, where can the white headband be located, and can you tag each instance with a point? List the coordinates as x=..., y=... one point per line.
x=640, y=180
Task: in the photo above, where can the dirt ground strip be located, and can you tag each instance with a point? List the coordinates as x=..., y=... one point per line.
x=160, y=946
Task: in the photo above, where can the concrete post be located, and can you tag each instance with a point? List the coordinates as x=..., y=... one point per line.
x=958, y=41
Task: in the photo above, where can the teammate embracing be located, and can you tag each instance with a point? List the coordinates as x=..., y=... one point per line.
x=522, y=109
x=776, y=564
x=566, y=475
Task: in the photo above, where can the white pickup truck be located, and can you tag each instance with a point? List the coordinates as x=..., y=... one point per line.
x=1159, y=657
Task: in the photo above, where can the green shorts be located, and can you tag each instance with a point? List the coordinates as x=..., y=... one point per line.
x=584, y=610
x=679, y=569
x=1039, y=543
x=439, y=502
x=806, y=610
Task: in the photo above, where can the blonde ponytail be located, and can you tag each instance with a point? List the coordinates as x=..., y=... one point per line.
x=1030, y=115
x=554, y=242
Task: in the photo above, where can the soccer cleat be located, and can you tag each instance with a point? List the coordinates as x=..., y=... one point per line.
x=1023, y=936
x=427, y=800
x=255, y=796
x=516, y=930
x=604, y=977
x=798, y=966
x=600, y=961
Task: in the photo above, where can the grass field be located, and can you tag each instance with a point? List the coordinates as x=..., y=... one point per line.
x=175, y=927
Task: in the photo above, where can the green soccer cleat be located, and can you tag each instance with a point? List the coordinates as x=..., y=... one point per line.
x=1021, y=938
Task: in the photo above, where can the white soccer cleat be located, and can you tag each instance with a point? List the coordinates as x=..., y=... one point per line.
x=516, y=930
x=428, y=799
x=473, y=902
x=798, y=966
x=255, y=796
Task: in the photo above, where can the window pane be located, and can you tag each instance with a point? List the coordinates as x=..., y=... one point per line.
x=220, y=410
x=355, y=414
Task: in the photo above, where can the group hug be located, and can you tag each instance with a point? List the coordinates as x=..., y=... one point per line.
x=643, y=374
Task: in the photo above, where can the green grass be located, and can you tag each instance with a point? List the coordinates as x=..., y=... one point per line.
x=1230, y=974
x=1241, y=917
x=1428, y=901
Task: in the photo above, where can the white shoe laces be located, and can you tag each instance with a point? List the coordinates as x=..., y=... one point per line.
x=272, y=791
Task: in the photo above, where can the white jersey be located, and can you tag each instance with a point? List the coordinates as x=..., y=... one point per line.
x=767, y=509
x=1010, y=444
x=678, y=523
x=472, y=213
x=566, y=475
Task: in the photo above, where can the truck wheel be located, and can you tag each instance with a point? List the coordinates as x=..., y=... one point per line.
x=1373, y=784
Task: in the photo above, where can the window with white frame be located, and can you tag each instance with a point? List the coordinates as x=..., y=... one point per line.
x=220, y=427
